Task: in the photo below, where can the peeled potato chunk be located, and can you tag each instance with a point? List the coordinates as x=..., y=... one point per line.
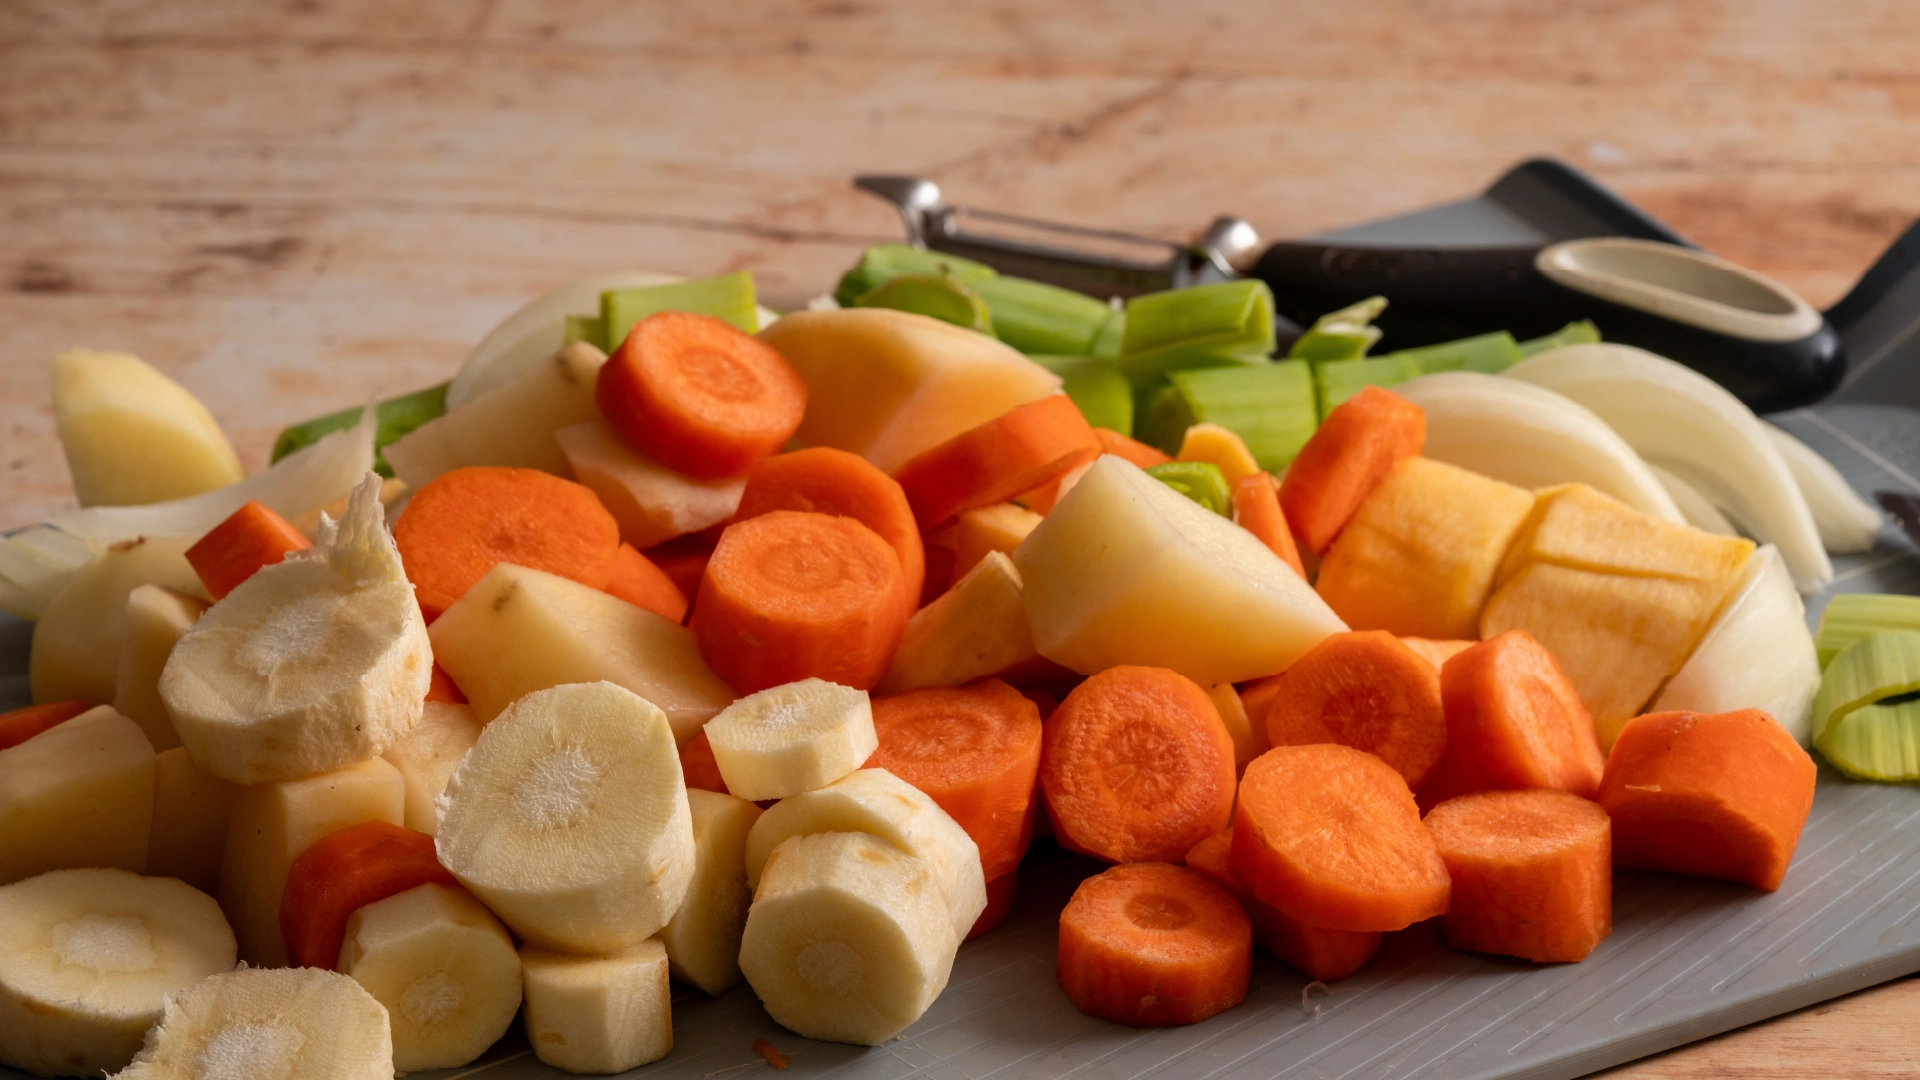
x=76, y=641
x=260, y=1023
x=652, y=503
x=156, y=618
x=190, y=814
x=427, y=756
x=599, y=1014
x=569, y=819
x=77, y=794
x=133, y=436
x=86, y=958
x=703, y=937
x=792, y=738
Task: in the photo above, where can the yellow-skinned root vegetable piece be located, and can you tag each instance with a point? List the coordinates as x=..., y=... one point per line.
x=76, y=643
x=599, y=1014
x=132, y=435
x=703, y=937
x=78, y=794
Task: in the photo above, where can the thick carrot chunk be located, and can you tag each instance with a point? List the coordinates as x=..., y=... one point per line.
x=1354, y=449
x=1721, y=796
x=1017, y=451
x=822, y=480
x=1256, y=507
x=1367, y=690
x=1532, y=873
x=1514, y=720
x=344, y=871
x=1313, y=951
x=20, y=725
x=250, y=538
x=639, y=582
x=1001, y=892
x=1151, y=945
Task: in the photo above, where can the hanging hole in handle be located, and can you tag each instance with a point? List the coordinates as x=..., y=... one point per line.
x=1682, y=284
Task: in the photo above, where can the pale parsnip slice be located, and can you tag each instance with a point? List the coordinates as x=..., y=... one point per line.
x=599, y=1014
x=703, y=937
x=156, y=618
x=190, y=814
x=78, y=794
x=792, y=738
x=975, y=630
x=652, y=503
x=268, y=1024
x=76, y=643
x=427, y=756
x=133, y=436
x=510, y=425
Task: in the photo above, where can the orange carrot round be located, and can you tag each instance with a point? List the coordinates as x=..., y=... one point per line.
x=1137, y=766
x=823, y=480
x=1514, y=720
x=1151, y=945
x=975, y=751
x=698, y=765
x=462, y=523
x=1001, y=892
x=791, y=595
x=250, y=538
x=441, y=687
x=1330, y=835
x=1532, y=873
x=20, y=725
x=1313, y=951
x=1133, y=450
x=344, y=871
x=1363, y=689
x=1354, y=449
x=639, y=582
x=1720, y=796
x=1016, y=451
x=699, y=396
x=1256, y=508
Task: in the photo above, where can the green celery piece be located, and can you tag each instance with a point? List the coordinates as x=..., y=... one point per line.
x=728, y=297
x=1162, y=415
x=591, y=329
x=1336, y=382
x=1866, y=718
x=1489, y=354
x=1035, y=317
x=1270, y=406
x=1106, y=343
x=397, y=417
x=937, y=296
x=1346, y=334
x=1852, y=616
x=884, y=262
x=1201, y=481
x=1226, y=322
x=1103, y=394
x=1574, y=333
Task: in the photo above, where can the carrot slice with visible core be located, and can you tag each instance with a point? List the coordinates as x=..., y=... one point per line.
x=1136, y=766
x=1720, y=795
x=250, y=538
x=1017, y=451
x=639, y=582
x=1150, y=945
x=974, y=751
x=698, y=396
x=20, y=725
x=791, y=595
x=1532, y=873
x=344, y=871
x=1363, y=689
x=822, y=480
x=1514, y=720
x=1330, y=835
x=1354, y=449
x=1256, y=508
x=1001, y=892
x=1313, y=951
x=463, y=523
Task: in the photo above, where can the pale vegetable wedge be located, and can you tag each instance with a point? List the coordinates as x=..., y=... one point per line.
x=599, y=1014
x=509, y=425
x=1756, y=654
x=536, y=331
x=78, y=794
x=256, y=1023
x=87, y=958
x=652, y=503
x=427, y=756
x=1125, y=570
x=157, y=617
x=133, y=436
x=975, y=630
x=999, y=527
x=77, y=642
x=792, y=738
x=1695, y=509
x=191, y=810
x=35, y=564
x=703, y=937
x=1848, y=524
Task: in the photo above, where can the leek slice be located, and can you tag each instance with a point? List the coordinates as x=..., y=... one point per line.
x=1225, y=322
x=1346, y=334
x=1848, y=524
x=1103, y=395
x=397, y=416
x=1864, y=733
x=1574, y=333
x=1035, y=317
x=883, y=262
x=1270, y=406
x=1850, y=617
x=1756, y=655
x=936, y=296
x=728, y=297
x=1201, y=481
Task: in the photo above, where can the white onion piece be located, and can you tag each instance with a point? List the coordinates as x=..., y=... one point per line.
x=1694, y=506
x=35, y=563
x=1848, y=524
x=1756, y=655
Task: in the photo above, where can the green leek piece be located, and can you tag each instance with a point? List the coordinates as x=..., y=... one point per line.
x=591, y=329
x=1113, y=333
x=1201, y=481
x=1226, y=322
x=1270, y=406
x=1852, y=616
x=1866, y=717
x=1489, y=354
x=1103, y=394
x=884, y=262
x=728, y=297
x=1574, y=333
x=397, y=417
x=1336, y=382
x=939, y=296
x=1035, y=317
x=1346, y=334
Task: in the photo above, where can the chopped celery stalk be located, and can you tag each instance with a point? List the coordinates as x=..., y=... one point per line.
x=1270, y=406
x=1226, y=322
x=1489, y=354
x=1574, y=333
x=1852, y=616
x=1103, y=394
x=884, y=262
x=397, y=416
x=1346, y=334
x=588, y=328
x=1035, y=317
x=1113, y=333
x=939, y=296
x=728, y=297
x=1339, y=381
x=1865, y=719
x=1201, y=481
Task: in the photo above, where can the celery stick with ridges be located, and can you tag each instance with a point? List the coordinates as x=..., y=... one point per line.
x=1346, y=334
x=729, y=297
x=1852, y=616
x=883, y=262
x=1228, y=322
x=1270, y=406
x=937, y=296
x=1035, y=317
x=1103, y=394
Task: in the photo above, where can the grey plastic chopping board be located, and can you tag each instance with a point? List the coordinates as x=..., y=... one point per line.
x=1687, y=959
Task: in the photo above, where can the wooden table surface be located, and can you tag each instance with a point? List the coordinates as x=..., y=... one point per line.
x=291, y=205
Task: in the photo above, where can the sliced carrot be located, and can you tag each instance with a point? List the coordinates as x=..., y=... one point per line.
x=1043, y=499
x=1139, y=453
x=1354, y=449
x=1721, y=795
x=1000, y=896
x=975, y=751
x=344, y=871
x=250, y=538
x=1435, y=651
x=823, y=480
x=639, y=582
x=462, y=523
x=1016, y=451
x=684, y=560
x=1137, y=766
x=1532, y=873
x=698, y=766
x=20, y=725
x=1513, y=721
x=791, y=595
x=1151, y=945
x=441, y=687
x=1331, y=836
x=699, y=396
x=1313, y=951
x=1256, y=508
x=1363, y=689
